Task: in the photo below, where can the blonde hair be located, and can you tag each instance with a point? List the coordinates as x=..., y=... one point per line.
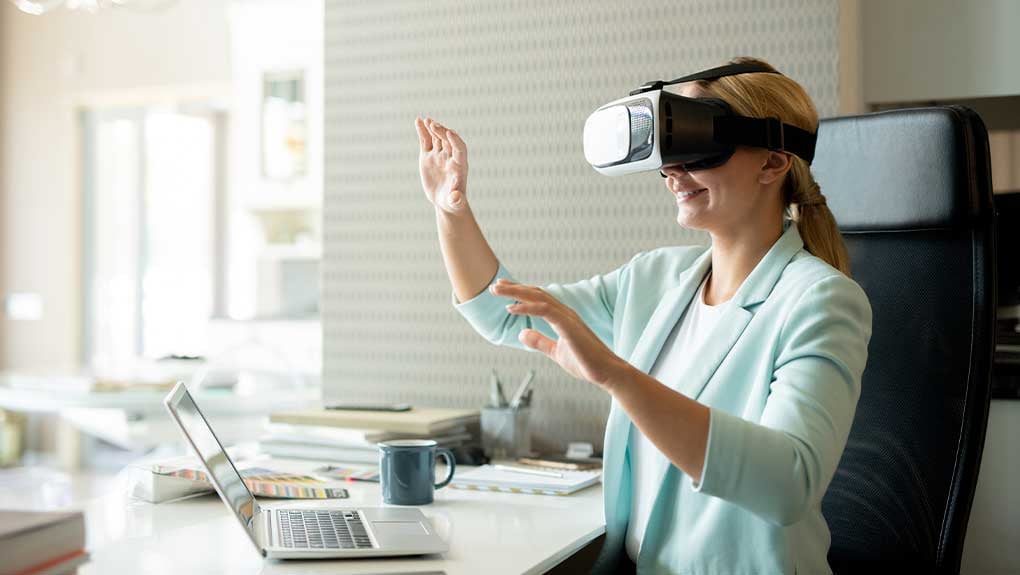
x=763, y=95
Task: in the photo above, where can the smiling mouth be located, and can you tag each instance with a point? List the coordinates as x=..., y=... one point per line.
x=683, y=196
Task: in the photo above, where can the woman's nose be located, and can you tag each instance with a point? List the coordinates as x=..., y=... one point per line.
x=676, y=169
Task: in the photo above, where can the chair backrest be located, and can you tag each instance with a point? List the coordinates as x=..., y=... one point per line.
x=911, y=191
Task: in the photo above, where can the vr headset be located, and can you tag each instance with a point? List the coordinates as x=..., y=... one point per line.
x=652, y=129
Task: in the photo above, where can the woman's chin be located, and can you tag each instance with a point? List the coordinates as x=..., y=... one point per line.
x=689, y=220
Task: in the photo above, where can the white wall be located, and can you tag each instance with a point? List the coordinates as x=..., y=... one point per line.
x=994, y=529
x=939, y=49
x=46, y=63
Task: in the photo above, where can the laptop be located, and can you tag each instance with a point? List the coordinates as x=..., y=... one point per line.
x=292, y=532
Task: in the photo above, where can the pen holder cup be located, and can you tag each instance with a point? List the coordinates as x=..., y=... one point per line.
x=505, y=433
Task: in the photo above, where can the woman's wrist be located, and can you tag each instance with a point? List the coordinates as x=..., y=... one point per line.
x=620, y=374
x=452, y=219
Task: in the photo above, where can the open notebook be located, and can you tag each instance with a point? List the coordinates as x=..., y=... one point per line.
x=490, y=478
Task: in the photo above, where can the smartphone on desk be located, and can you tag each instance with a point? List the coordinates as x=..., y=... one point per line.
x=560, y=462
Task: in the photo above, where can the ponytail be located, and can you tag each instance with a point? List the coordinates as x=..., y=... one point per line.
x=807, y=207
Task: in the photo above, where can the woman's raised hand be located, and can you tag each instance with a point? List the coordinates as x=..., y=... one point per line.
x=443, y=164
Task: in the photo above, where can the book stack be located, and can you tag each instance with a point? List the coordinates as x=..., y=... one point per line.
x=352, y=436
x=524, y=479
x=42, y=542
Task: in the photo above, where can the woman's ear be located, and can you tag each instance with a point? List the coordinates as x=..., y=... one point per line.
x=775, y=167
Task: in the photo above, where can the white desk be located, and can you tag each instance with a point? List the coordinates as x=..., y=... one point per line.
x=491, y=533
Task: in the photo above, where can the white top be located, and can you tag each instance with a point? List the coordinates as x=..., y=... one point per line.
x=695, y=324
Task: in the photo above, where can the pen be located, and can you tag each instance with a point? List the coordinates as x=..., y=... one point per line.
x=516, y=401
x=528, y=471
x=496, y=396
x=365, y=479
x=526, y=399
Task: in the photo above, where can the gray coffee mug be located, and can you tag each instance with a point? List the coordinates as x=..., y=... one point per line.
x=407, y=468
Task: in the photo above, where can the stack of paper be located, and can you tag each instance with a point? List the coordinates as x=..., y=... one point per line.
x=419, y=420
x=543, y=482
x=352, y=435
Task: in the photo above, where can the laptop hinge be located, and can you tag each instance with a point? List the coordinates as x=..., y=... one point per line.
x=263, y=527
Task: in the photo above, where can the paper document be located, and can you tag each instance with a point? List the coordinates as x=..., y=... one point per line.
x=493, y=478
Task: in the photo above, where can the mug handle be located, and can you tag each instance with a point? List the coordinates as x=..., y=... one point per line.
x=450, y=463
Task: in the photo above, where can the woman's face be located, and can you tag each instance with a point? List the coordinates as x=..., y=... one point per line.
x=724, y=197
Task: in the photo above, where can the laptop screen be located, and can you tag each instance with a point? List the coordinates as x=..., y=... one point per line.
x=214, y=458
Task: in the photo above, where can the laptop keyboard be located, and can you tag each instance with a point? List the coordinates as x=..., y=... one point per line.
x=313, y=529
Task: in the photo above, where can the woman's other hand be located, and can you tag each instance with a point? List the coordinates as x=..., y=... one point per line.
x=442, y=161
x=578, y=350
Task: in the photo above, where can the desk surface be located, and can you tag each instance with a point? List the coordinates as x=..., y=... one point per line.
x=488, y=532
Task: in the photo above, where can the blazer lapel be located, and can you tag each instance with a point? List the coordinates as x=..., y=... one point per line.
x=700, y=365
x=646, y=350
x=668, y=312
x=754, y=290
x=702, y=362
x=705, y=359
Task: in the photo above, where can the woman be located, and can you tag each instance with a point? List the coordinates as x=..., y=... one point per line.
x=734, y=370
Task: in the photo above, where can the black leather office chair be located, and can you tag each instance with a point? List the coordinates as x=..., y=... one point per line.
x=911, y=190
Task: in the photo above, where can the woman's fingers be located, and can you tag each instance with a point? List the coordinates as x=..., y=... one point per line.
x=535, y=340
x=552, y=314
x=540, y=309
x=431, y=131
x=435, y=136
x=457, y=146
x=519, y=291
x=424, y=138
x=437, y=142
x=444, y=134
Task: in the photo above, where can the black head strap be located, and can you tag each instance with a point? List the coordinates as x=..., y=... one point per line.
x=769, y=133
x=710, y=74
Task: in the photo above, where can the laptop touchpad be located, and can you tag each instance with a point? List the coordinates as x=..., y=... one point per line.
x=391, y=530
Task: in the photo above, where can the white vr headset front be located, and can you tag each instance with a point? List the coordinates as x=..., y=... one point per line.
x=651, y=129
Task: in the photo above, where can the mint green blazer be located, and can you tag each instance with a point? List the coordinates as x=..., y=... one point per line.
x=781, y=374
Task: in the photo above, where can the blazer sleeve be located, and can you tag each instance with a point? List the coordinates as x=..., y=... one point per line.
x=781, y=466
x=593, y=299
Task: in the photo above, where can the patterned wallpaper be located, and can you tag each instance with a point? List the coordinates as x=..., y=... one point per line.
x=517, y=80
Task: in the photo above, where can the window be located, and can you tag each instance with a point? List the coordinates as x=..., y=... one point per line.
x=150, y=182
